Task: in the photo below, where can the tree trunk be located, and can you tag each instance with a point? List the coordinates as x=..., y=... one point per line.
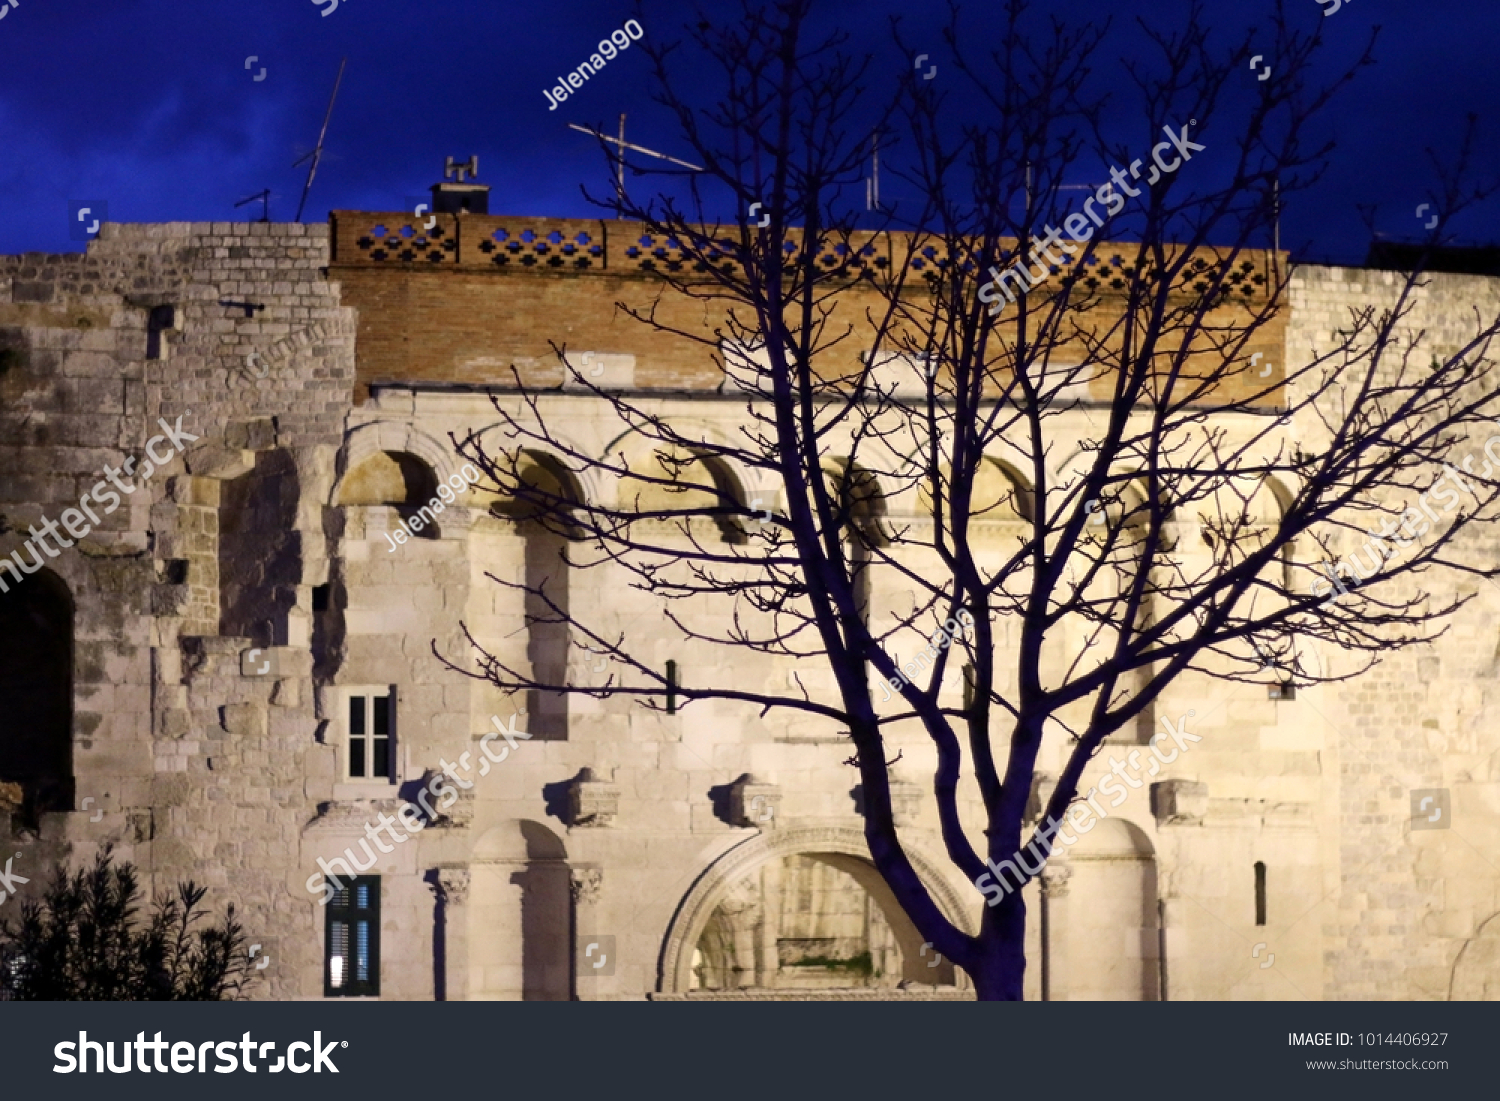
x=1000, y=971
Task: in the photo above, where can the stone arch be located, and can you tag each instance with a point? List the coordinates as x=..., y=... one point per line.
x=844, y=848
x=1259, y=502
x=1476, y=968
x=1238, y=520
x=1126, y=497
x=540, y=470
x=732, y=481
x=500, y=444
x=695, y=471
x=1000, y=493
x=1015, y=484
x=520, y=840
x=370, y=440
x=36, y=691
x=396, y=478
x=546, y=601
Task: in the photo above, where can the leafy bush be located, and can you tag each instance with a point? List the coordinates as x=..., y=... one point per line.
x=82, y=942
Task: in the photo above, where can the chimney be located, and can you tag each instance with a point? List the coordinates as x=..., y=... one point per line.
x=457, y=196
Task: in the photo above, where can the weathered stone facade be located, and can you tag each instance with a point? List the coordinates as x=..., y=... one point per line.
x=226, y=618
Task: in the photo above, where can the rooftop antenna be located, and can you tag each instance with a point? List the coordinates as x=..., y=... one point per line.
x=317, y=154
x=624, y=145
x=872, y=185
x=453, y=168
x=1276, y=245
x=1060, y=187
x=265, y=201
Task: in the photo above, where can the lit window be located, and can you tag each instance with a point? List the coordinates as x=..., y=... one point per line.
x=352, y=939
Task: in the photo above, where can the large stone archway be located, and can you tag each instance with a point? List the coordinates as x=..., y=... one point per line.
x=844, y=848
x=1477, y=965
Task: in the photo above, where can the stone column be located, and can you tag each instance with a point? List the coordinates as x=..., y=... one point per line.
x=767, y=953
x=453, y=893
x=1172, y=946
x=1055, y=984
x=502, y=958
x=586, y=882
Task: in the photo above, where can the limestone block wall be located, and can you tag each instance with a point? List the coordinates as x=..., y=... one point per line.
x=1268, y=792
x=199, y=770
x=1416, y=901
x=238, y=781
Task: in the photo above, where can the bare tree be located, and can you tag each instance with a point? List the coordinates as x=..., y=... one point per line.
x=911, y=363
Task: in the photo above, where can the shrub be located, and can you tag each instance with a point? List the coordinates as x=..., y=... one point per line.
x=82, y=942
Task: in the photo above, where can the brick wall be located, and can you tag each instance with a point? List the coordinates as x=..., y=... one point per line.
x=465, y=300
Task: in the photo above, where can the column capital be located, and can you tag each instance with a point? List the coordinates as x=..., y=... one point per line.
x=585, y=881
x=453, y=885
x=1055, y=878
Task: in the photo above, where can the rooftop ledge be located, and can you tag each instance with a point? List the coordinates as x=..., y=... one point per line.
x=521, y=244
x=727, y=392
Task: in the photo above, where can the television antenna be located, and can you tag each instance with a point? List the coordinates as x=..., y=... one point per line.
x=1276, y=213
x=624, y=145
x=317, y=154
x=265, y=203
x=1060, y=187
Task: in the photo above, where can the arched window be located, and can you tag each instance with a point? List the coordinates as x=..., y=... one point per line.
x=36, y=692
x=394, y=478
x=700, y=484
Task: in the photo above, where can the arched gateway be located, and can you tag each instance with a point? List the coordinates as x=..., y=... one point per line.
x=736, y=883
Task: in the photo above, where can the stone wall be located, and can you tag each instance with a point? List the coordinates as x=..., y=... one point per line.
x=191, y=769
x=609, y=820
x=1408, y=915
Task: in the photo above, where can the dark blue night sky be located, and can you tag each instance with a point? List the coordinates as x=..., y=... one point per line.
x=148, y=105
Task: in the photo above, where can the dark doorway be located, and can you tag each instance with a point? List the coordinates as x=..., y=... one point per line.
x=36, y=692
